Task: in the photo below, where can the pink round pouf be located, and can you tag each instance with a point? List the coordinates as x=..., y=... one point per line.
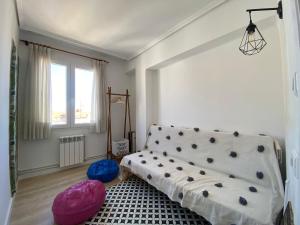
x=78, y=203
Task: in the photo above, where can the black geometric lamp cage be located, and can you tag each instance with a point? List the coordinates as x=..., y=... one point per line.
x=253, y=41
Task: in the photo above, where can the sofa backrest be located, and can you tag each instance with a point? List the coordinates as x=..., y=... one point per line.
x=244, y=156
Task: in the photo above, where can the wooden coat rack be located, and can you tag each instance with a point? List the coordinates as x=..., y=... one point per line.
x=127, y=113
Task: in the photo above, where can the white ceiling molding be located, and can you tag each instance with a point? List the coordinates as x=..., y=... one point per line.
x=211, y=6
x=17, y=13
x=72, y=42
x=19, y=5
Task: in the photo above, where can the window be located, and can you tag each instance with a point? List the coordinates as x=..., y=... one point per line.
x=58, y=94
x=71, y=96
x=83, y=95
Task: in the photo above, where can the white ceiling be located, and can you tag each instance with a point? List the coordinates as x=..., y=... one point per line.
x=118, y=27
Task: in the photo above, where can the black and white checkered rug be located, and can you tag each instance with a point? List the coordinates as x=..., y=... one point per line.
x=136, y=202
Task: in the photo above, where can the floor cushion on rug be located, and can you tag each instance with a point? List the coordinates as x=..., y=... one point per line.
x=104, y=170
x=78, y=203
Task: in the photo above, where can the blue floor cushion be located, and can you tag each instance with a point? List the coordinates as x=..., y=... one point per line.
x=104, y=170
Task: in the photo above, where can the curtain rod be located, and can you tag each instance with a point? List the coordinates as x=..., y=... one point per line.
x=61, y=50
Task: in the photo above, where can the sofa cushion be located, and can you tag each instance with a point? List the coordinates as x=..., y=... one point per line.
x=239, y=155
x=212, y=194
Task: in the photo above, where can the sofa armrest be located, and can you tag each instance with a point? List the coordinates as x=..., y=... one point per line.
x=278, y=152
x=124, y=173
x=280, y=157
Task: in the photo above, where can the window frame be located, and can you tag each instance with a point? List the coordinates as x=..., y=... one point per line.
x=70, y=96
x=73, y=121
x=66, y=125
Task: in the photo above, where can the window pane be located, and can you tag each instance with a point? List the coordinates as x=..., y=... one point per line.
x=83, y=95
x=58, y=94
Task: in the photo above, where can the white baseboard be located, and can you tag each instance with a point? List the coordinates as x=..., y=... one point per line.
x=8, y=213
x=23, y=174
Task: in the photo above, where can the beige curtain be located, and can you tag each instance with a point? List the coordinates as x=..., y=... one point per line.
x=37, y=94
x=99, y=97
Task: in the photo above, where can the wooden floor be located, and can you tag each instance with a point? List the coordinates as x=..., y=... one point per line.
x=34, y=198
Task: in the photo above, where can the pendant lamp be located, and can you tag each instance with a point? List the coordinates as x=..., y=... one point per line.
x=253, y=41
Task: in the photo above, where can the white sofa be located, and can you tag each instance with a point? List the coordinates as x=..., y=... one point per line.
x=228, y=178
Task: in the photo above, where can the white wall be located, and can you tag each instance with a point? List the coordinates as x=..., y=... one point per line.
x=290, y=29
x=38, y=155
x=223, y=89
x=8, y=32
x=217, y=27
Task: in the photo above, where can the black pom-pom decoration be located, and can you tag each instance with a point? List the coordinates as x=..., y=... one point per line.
x=219, y=185
x=155, y=158
x=190, y=179
x=194, y=146
x=202, y=172
x=180, y=133
x=179, y=168
x=178, y=149
x=252, y=189
x=129, y=162
x=143, y=161
x=216, y=130
x=157, y=142
x=149, y=177
x=159, y=128
x=160, y=165
x=260, y=148
x=191, y=163
x=236, y=134
x=151, y=152
x=233, y=154
x=196, y=129
x=205, y=193
x=140, y=155
x=168, y=137
x=212, y=140
x=231, y=176
x=149, y=133
x=165, y=153
x=243, y=201
x=260, y=175
x=210, y=160
x=167, y=175
x=171, y=160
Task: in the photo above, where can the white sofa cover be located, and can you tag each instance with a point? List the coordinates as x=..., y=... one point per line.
x=228, y=178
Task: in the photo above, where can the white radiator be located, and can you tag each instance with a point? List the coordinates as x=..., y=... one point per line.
x=71, y=150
